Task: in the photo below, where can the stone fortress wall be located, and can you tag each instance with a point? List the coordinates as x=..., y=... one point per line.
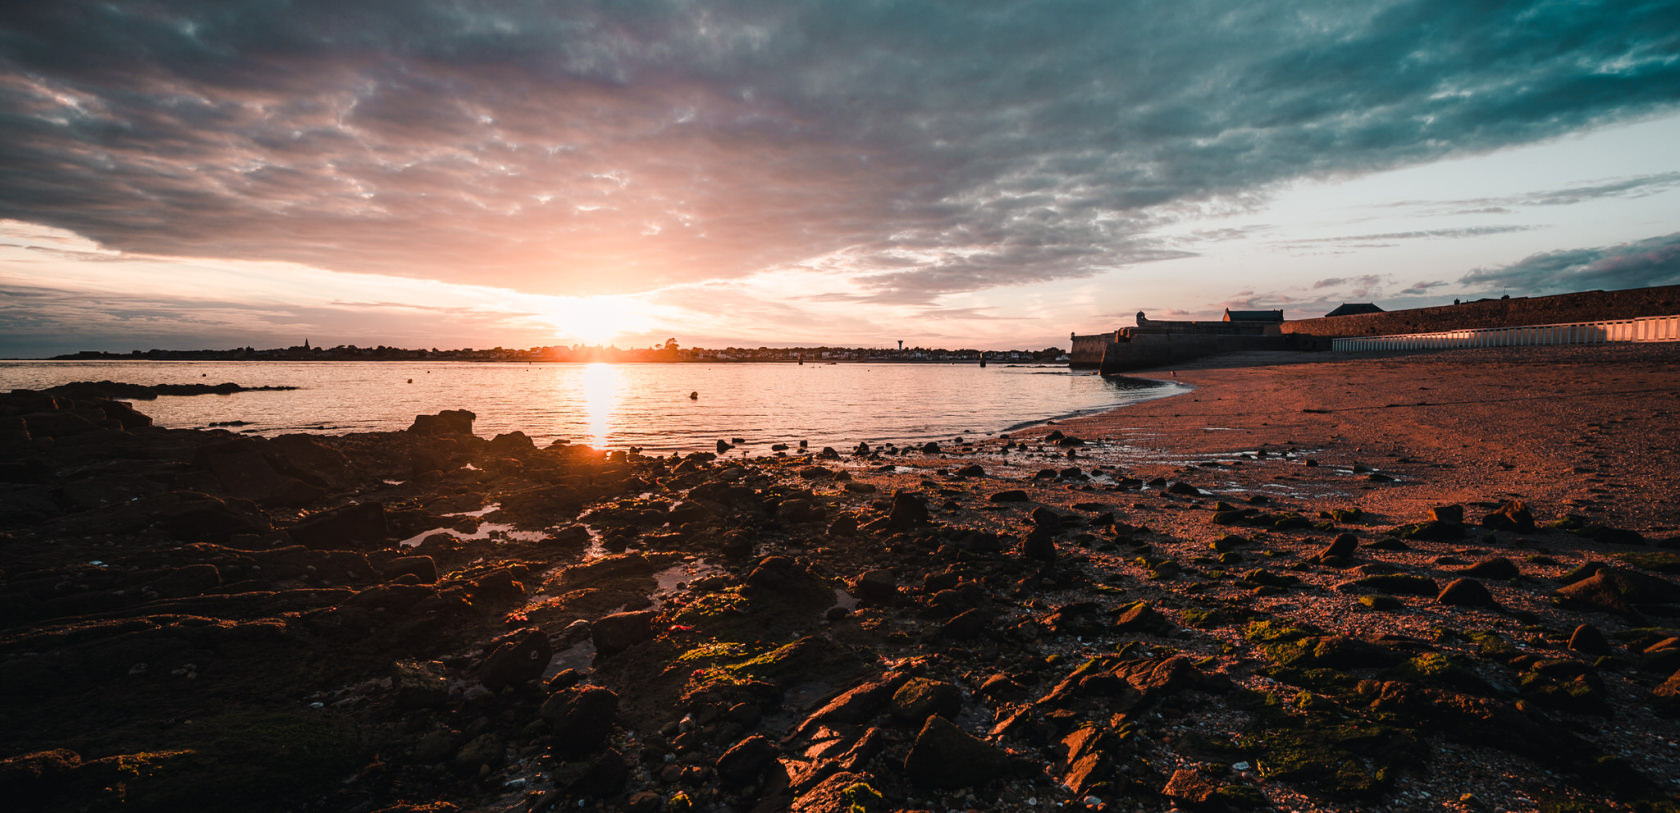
x=1133, y=349
x=1586, y=306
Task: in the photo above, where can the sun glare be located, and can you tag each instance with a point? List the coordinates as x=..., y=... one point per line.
x=596, y=319
x=601, y=385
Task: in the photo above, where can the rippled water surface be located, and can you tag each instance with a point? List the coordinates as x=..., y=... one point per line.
x=617, y=405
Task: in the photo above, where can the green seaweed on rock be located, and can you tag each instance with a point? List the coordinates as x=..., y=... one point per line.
x=1343, y=759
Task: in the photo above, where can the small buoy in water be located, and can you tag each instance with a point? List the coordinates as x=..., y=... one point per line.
x=694, y=396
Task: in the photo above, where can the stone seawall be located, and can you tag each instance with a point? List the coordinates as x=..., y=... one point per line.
x=1586, y=306
x=1152, y=350
x=1087, y=351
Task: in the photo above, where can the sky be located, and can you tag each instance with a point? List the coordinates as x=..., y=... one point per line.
x=443, y=173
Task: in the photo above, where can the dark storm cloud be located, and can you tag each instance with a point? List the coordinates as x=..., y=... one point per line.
x=600, y=146
x=1655, y=261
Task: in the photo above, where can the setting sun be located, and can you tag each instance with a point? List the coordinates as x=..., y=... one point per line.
x=595, y=319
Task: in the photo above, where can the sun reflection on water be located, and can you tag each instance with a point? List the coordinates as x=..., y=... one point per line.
x=602, y=386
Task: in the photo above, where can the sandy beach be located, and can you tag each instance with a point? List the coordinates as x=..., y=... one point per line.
x=1583, y=430
x=1314, y=582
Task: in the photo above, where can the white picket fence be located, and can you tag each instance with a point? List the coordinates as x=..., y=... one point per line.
x=1644, y=329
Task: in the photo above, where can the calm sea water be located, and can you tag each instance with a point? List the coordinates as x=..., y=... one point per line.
x=615, y=406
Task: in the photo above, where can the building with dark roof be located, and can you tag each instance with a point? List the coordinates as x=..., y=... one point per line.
x=1275, y=317
x=1354, y=309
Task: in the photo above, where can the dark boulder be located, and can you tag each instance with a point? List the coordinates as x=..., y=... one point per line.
x=390, y=598
x=1045, y=519
x=516, y=661
x=512, y=444
x=620, y=631
x=966, y=625
x=485, y=750
x=1194, y=786
x=310, y=460
x=1513, y=516
x=945, y=756
x=909, y=511
x=876, y=585
x=1463, y=592
x=842, y=792
x=843, y=525
x=61, y=424
x=1342, y=547
x=422, y=568
x=920, y=698
x=419, y=684
x=500, y=586
x=1143, y=618
x=549, y=501
x=1668, y=694
x=746, y=761
x=447, y=422
x=359, y=526
x=1498, y=567
x=33, y=778
x=1588, y=640
x=856, y=705
x=737, y=544
x=194, y=517
x=1040, y=545
x=1619, y=591
x=243, y=471
x=799, y=510
x=1401, y=583
x=580, y=718
x=603, y=776
x=1449, y=514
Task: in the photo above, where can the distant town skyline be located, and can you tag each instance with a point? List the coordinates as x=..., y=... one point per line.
x=188, y=175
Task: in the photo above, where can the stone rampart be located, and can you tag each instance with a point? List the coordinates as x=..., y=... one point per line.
x=1151, y=350
x=1087, y=351
x=1587, y=306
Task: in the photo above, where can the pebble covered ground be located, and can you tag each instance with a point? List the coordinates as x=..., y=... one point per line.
x=1278, y=592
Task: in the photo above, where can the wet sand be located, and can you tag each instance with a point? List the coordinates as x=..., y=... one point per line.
x=1593, y=431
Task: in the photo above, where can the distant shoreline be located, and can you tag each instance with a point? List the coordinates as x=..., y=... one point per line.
x=670, y=353
x=807, y=362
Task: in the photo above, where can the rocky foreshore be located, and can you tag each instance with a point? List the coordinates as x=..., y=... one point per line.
x=1057, y=620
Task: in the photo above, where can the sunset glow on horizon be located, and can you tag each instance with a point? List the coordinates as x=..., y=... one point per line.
x=186, y=175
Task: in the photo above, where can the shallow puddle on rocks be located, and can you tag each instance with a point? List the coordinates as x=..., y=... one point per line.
x=479, y=513
x=579, y=656
x=677, y=577
x=486, y=530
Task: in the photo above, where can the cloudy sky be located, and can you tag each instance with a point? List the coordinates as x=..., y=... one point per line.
x=963, y=174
